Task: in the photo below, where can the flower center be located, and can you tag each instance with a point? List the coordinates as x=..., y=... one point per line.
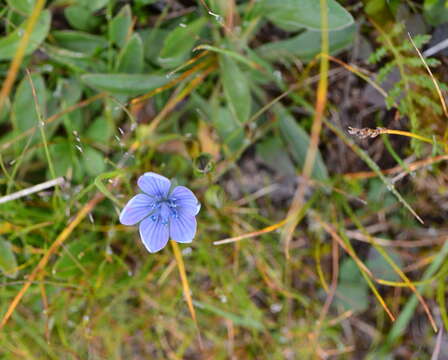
x=164, y=208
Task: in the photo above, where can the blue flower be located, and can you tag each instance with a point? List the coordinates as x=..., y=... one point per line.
x=162, y=213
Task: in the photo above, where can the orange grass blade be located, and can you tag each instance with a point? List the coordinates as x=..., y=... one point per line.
x=185, y=286
x=413, y=167
x=436, y=84
x=321, y=103
x=364, y=269
x=175, y=81
x=395, y=267
x=53, y=248
x=179, y=97
x=251, y=234
x=20, y=53
x=52, y=118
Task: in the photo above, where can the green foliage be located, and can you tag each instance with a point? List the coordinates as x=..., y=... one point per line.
x=236, y=88
x=8, y=262
x=294, y=15
x=352, y=290
x=436, y=11
x=306, y=46
x=298, y=141
x=220, y=98
x=9, y=43
x=413, y=93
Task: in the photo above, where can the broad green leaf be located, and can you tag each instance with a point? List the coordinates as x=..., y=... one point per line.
x=8, y=262
x=236, y=88
x=179, y=42
x=93, y=161
x=352, y=290
x=229, y=129
x=76, y=61
x=66, y=160
x=69, y=92
x=79, y=41
x=293, y=15
x=93, y=5
x=298, y=141
x=24, y=113
x=5, y=110
x=125, y=84
x=144, y=2
x=130, y=59
x=9, y=43
x=435, y=12
x=22, y=6
x=100, y=130
x=380, y=268
x=81, y=18
x=120, y=25
x=272, y=152
x=307, y=45
x=153, y=41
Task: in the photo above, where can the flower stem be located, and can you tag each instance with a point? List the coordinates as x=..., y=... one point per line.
x=186, y=287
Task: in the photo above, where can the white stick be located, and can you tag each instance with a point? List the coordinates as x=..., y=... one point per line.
x=436, y=48
x=32, y=189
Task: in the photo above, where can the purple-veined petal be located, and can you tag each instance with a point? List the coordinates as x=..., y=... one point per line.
x=154, y=233
x=154, y=184
x=186, y=201
x=183, y=228
x=136, y=209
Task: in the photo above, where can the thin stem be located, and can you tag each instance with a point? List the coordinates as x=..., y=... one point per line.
x=186, y=287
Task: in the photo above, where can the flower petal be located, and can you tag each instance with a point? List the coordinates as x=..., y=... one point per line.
x=186, y=201
x=136, y=209
x=154, y=184
x=183, y=228
x=154, y=234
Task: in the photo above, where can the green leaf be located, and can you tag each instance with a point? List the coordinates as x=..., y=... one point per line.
x=125, y=84
x=307, y=45
x=75, y=61
x=67, y=162
x=153, y=41
x=435, y=12
x=130, y=59
x=120, y=25
x=10, y=43
x=79, y=41
x=179, y=42
x=298, y=141
x=93, y=5
x=70, y=90
x=100, y=131
x=352, y=290
x=81, y=18
x=23, y=108
x=272, y=152
x=293, y=15
x=93, y=161
x=236, y=88
x=380, y=268
x=4, y=111
x=8, y=262
x=229, y=129
x=22, y=6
